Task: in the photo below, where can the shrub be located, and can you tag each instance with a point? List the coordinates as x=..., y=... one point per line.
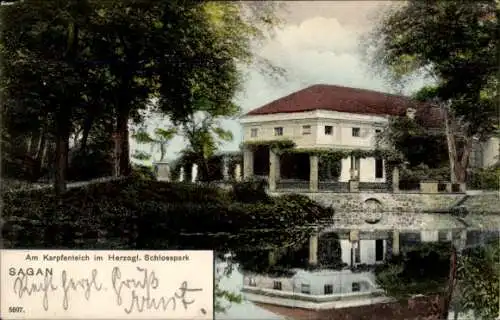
x=143, y=172
x=134, y=213
x=251, y=191
x=423, y=172
x=484, y=179
x=421, y=269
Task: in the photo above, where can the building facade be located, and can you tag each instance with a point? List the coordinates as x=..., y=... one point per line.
x=338, y=118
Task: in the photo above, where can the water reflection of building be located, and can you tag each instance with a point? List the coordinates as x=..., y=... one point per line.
x=320, y=289
x=323, y=288
x=354, y=250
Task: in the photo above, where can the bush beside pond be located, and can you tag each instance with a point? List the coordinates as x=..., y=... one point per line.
x=135, y=213
x=484, y=179
x=422, y=269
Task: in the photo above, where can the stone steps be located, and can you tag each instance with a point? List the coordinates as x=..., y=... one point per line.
x=482, y=203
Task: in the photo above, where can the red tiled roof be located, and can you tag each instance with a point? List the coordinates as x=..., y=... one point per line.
x=350, y=100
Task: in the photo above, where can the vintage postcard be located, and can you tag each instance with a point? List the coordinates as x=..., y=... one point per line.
x=85, y=284
x=313, y=159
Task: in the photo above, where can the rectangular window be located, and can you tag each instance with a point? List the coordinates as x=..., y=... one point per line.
x=328, y=130
x=305, y=288
x=377, y=131
x=278, y=131
x=356, y=252
x=356, y=287
x=306, y=130
x=254, y=132
x=379, y=168
x=328, y=289
x=277, y=285
x=379, y=250
x=356, y=132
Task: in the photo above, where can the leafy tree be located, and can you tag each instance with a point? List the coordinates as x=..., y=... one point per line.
x=70, y=66
x=159, y=141
x=204, y=134
x=477, y=281
x=409, y=41
x=417, y=144
x=43, y=53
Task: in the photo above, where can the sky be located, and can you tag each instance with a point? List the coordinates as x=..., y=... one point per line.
x=318, y=42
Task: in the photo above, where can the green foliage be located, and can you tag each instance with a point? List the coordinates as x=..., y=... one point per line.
x=159, y=141
x=423, y=269
x=339, y=154
x=141, y=155
x=281, y=145
x=409, y=40
x=251, y=191
x=89, y=164
x=478, y=275
x=484, y=179
x=204, y=136
x=414, y=142
x=143, y=172
x=69, y=67
x=140, y=214
x=423, y=172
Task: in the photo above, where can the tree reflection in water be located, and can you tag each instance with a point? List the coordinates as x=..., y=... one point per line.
x=420, y=268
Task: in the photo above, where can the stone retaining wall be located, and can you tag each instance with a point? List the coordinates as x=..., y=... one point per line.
x=388, y=202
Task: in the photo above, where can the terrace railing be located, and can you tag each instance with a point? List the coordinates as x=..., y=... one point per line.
x=333, y=186
x=374, y=186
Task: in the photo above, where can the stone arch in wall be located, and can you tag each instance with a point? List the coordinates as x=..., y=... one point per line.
x=372, y=210
x=373, y=204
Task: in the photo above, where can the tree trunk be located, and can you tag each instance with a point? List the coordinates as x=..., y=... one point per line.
x=35, y=136
x=451, y=283
x=85, y=133
x=61, y=163
x=121, y=154
x=49, y=147
x=41, y=147
x=464, y=161
x=450, y=139
x=458, y=167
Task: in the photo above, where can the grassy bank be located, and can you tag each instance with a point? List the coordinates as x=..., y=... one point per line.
x=140, y=214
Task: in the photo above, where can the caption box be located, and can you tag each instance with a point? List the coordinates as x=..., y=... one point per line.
x=64, y=284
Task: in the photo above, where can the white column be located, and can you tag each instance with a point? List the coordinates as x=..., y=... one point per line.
x=247, y=163
x=345, y=170
x=225, y=168
x=395, y=179
x=272, y=169
x=194, y=173
x=313, y=249
x=237, y=172
x=395, y=242
x=461, y=242
x=313, y=173
x=181, y=174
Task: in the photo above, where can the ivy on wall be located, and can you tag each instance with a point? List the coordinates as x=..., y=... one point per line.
x=334, y=155
x=279, y=146
x=288, y=146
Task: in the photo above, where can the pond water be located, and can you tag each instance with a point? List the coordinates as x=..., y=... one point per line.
x=276, y=272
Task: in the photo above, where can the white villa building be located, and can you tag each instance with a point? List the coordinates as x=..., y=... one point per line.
x=333, y=117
